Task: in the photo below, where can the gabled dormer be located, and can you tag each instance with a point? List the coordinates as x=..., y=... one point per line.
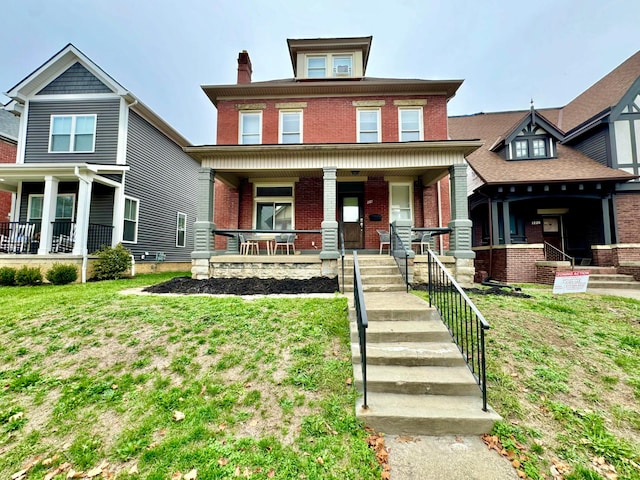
x=533, y=138
x=329, y=58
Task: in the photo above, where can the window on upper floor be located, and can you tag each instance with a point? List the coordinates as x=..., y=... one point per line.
x=368, y=125
x=130, y=231
x=250, y=128
x=410, y=124
x=273, y=207
x=72, y=133
x=341, y=65
x=530, y=148
x=291, y=126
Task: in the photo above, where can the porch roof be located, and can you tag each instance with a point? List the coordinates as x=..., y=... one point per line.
x=429, y=160
x=11, y=174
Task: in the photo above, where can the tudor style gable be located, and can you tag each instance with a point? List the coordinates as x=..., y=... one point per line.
x=625, y=119
x=533, y=138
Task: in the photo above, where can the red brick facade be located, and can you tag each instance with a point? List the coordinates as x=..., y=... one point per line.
x=8, y=152
x=627, y=206
x=509, y=264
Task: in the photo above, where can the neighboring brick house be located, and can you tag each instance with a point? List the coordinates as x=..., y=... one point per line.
x=563, y=181
x=331, y=150
x=95, y=166
x=8, y=147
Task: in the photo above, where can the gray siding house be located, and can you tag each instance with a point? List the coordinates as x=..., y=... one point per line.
x=95, y=166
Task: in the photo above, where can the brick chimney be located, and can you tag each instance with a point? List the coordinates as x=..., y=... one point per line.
x=244, y=67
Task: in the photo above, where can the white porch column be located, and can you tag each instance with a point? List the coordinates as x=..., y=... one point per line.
x=118, y=215
x=48, y=213
x=329, y=223
x=82, y=216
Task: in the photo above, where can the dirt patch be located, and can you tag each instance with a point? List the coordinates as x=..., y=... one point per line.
x=424, y=287
x=246, y=286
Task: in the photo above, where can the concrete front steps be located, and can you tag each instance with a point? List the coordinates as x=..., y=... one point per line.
x=379, y=274
x=417, y=380
x=612, y=280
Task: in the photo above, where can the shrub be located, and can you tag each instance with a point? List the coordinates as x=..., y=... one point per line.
x=7, y=276
x=28, y=276
x=112, y=263
x=61, y=274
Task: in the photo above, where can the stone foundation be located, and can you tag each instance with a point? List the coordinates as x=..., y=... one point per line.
x=45, y=262
x=462, y=269
x=160, y=267
x=270, y=266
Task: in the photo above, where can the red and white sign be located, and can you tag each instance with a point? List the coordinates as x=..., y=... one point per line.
x=571, y=282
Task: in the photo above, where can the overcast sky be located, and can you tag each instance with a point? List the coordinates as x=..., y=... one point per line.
x=506, y=51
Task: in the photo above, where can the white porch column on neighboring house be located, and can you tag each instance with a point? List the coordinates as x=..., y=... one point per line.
x=329, y=223
x=48, y=214
x=82, y=217
x=203, y=226
x=118, y=215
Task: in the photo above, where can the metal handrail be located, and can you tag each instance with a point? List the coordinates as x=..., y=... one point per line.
x=400, y=254
x=550, y=248
x=463, y=320
x=362, y=323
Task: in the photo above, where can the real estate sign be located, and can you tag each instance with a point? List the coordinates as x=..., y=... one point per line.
x=571, y=282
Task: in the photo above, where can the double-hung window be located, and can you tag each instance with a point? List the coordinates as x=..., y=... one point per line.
x=273, y=207
x=410, y=123
x=317, y=66
x=130, y=230
x=342, y=65
x=181, y=230
x=539, y=146
x=65, y=207
x=72, y=133
x=290, y=126
x=522, y=148
x=368, y=124
x=250, y=128
x=400, y=198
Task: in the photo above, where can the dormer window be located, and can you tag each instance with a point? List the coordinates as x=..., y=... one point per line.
x=539, y=147
x=530, y=148
x=522, y=149
x=329, y=65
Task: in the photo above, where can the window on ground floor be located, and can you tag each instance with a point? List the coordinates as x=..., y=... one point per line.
x=181, y=230
x=130, y=230
x=65, y=207
x=400, y=201
x=273, y=206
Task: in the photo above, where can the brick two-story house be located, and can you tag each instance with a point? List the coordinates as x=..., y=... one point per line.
x=8, y=147
x=558, y=184
x=330, y=150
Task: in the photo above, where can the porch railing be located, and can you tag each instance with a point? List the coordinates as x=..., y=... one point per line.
x=464, y=321
x=99, y=236
x=362, y=322
x=400, y=254
x=553, y=254
x=19, y=237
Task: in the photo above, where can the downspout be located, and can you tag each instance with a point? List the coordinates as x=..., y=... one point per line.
x=440, y=239
x=85, y=259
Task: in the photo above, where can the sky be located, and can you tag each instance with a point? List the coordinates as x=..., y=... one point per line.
x=507, y=52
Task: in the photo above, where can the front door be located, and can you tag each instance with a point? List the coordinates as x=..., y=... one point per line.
x=350, y=216
x=552, y=231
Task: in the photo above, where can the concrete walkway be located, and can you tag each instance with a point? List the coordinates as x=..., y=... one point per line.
x=617, y=292
x=446, y=457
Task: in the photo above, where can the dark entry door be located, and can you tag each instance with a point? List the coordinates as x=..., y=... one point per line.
x=351, y=214
x=552, y=231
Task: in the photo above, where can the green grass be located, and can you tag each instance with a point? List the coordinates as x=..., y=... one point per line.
x=564, y=372
x=89, y=375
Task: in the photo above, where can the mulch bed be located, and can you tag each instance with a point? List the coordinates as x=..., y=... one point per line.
x=246, y=286
x=507, y=292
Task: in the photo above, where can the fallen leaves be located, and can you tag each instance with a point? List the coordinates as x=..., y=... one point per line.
x=376, y=442
x=517, y=458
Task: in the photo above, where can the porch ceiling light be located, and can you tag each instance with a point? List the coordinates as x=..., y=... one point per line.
x=355, y=172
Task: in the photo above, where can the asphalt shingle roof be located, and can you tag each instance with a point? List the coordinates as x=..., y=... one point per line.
x=9, y=125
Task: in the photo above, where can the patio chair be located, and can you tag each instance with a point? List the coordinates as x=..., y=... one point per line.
x=286, y=240
x=425, y=241
x=385, y=239
x=64, y=243
x=247, y=246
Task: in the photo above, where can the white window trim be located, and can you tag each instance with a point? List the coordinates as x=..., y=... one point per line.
x=241, y=123
x=281, y=123
x=257, y=199
x=179, y=214
x=420, y=121
x=41, y=195
x=73, y=133
x=379, y=123
x=403, y=184
x=329, y=57
x=124, y=219
x=327, y=68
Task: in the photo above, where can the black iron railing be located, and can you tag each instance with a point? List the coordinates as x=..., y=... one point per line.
x=554, y=254
x=362, y=322
x=464, y=321
x=19, y=237
x=400, y=254
x=98, y=237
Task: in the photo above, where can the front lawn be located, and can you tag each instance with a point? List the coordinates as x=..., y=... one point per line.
x=564, y=372
x=96, y=381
